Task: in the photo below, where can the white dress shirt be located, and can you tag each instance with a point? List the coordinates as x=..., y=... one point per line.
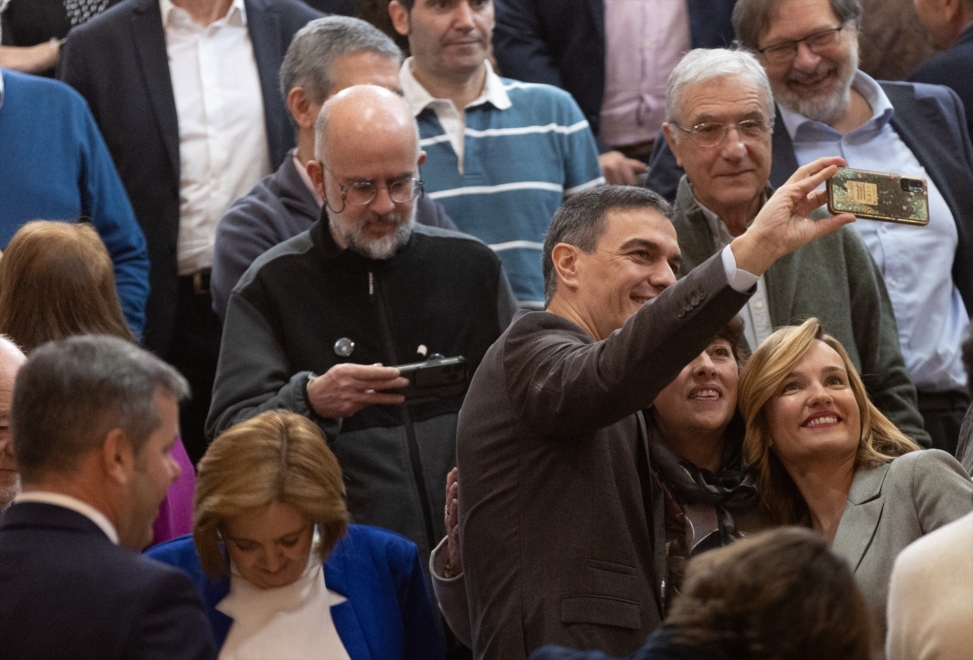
x=223, y=148
x=76, y=505
x=292, y=622
x=917, y=262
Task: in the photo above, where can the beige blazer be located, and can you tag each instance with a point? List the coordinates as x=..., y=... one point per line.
x=892, y=505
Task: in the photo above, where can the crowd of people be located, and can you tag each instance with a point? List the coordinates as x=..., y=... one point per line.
x=539, y=342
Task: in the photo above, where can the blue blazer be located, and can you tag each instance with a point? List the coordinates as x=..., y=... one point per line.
x=118, y=62
x=930, y=121
x=388, y=614
x=953, y=68
x=562, y=43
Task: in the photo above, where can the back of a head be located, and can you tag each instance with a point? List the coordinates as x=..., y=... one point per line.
x=778, y=595
x=315, y=48
x=71, y=393
x=57, y=280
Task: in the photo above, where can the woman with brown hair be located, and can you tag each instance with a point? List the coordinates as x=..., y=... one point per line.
x=280, y=571
x=57, y=280
x=825, y=457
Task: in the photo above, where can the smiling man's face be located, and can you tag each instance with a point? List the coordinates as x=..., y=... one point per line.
x=733, y=173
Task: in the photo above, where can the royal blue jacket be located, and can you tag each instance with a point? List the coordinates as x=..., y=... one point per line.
x=388, y=614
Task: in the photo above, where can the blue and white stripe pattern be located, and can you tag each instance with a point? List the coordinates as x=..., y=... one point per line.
x=519, y=163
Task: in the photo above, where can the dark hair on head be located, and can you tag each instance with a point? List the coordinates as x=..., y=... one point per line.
x=408, y=4
x=319, y=44
x=732, y=332
x=71, y=393
x=57, y=280
x=752, y=18
x=581, y=222
x=276, y=457
x=778, y=595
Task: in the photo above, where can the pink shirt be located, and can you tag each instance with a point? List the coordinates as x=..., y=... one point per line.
x=644, y=40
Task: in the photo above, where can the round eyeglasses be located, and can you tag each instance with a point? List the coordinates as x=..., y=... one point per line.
x=712, y=134
x=817, y=43
x=362, y=193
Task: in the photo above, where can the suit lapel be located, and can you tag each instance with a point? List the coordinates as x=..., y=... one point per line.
x=268, y=51
x=150, y=48
x=784, y=162
x=862, y=515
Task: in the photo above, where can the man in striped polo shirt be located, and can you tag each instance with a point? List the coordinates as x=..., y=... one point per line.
x=502, y=154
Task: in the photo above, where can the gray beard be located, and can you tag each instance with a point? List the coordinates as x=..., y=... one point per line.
x=378, y=249
x=826, y=109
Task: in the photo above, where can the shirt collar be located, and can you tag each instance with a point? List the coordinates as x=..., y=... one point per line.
x=797, y=125
x=237, y=9
x=419, y=99
x=76, y=505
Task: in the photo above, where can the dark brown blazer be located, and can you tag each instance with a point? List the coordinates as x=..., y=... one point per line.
x=555, y=497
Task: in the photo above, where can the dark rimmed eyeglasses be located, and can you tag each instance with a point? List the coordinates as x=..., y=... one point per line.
x=817, y=43
x=362, y=193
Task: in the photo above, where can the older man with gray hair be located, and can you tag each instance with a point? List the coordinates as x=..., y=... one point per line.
x=720, y=117
x=326, y=56
x=93, y=421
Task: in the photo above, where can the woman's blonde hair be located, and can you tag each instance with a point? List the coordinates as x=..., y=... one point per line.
x=57, y=280
x=276, y=457
x=880, y=440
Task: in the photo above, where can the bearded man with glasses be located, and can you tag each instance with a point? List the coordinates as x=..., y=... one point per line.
x=313, y=320
x=719, y=124
x=828, y=107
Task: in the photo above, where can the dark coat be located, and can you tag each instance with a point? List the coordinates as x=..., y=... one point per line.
x=930, y=121
x=556, y=491
x=68, y=592
x=119, y=64
x=562, y=43
x=953, y=68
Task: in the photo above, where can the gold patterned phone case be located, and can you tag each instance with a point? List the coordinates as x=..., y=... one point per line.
x=879, y=196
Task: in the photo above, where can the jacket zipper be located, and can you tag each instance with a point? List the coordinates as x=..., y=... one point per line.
x=410, y=432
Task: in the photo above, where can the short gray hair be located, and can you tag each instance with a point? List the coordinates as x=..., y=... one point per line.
x=751, y=18
x=581, y=222
x=317, y=46
x=705, y=64
x=71, y=393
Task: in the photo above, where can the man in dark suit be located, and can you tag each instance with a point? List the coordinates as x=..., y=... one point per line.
x=827, y=106
x=189, y=106
x=612, y=57
x=950, y=27
x=555, y=499
x=93, y=422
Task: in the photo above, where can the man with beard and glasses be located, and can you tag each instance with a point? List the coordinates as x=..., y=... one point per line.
x=312, y=322
x=827, y=107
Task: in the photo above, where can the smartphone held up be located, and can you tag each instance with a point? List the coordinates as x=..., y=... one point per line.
x=879, y=196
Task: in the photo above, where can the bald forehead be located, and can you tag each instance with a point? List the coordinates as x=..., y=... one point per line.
x=11, y=359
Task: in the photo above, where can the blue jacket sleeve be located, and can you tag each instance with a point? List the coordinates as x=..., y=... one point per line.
x=421, y=640
x=107, y=206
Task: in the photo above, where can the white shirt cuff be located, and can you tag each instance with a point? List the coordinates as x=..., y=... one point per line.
x=740, y=280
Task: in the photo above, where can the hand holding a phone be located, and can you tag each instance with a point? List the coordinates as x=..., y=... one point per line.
x=782, y=225
x=344, y=389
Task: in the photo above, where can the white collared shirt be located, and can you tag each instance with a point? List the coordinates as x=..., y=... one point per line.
x=73, y=503
x=453, y=121
x=756, y=313
x=223, y=148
